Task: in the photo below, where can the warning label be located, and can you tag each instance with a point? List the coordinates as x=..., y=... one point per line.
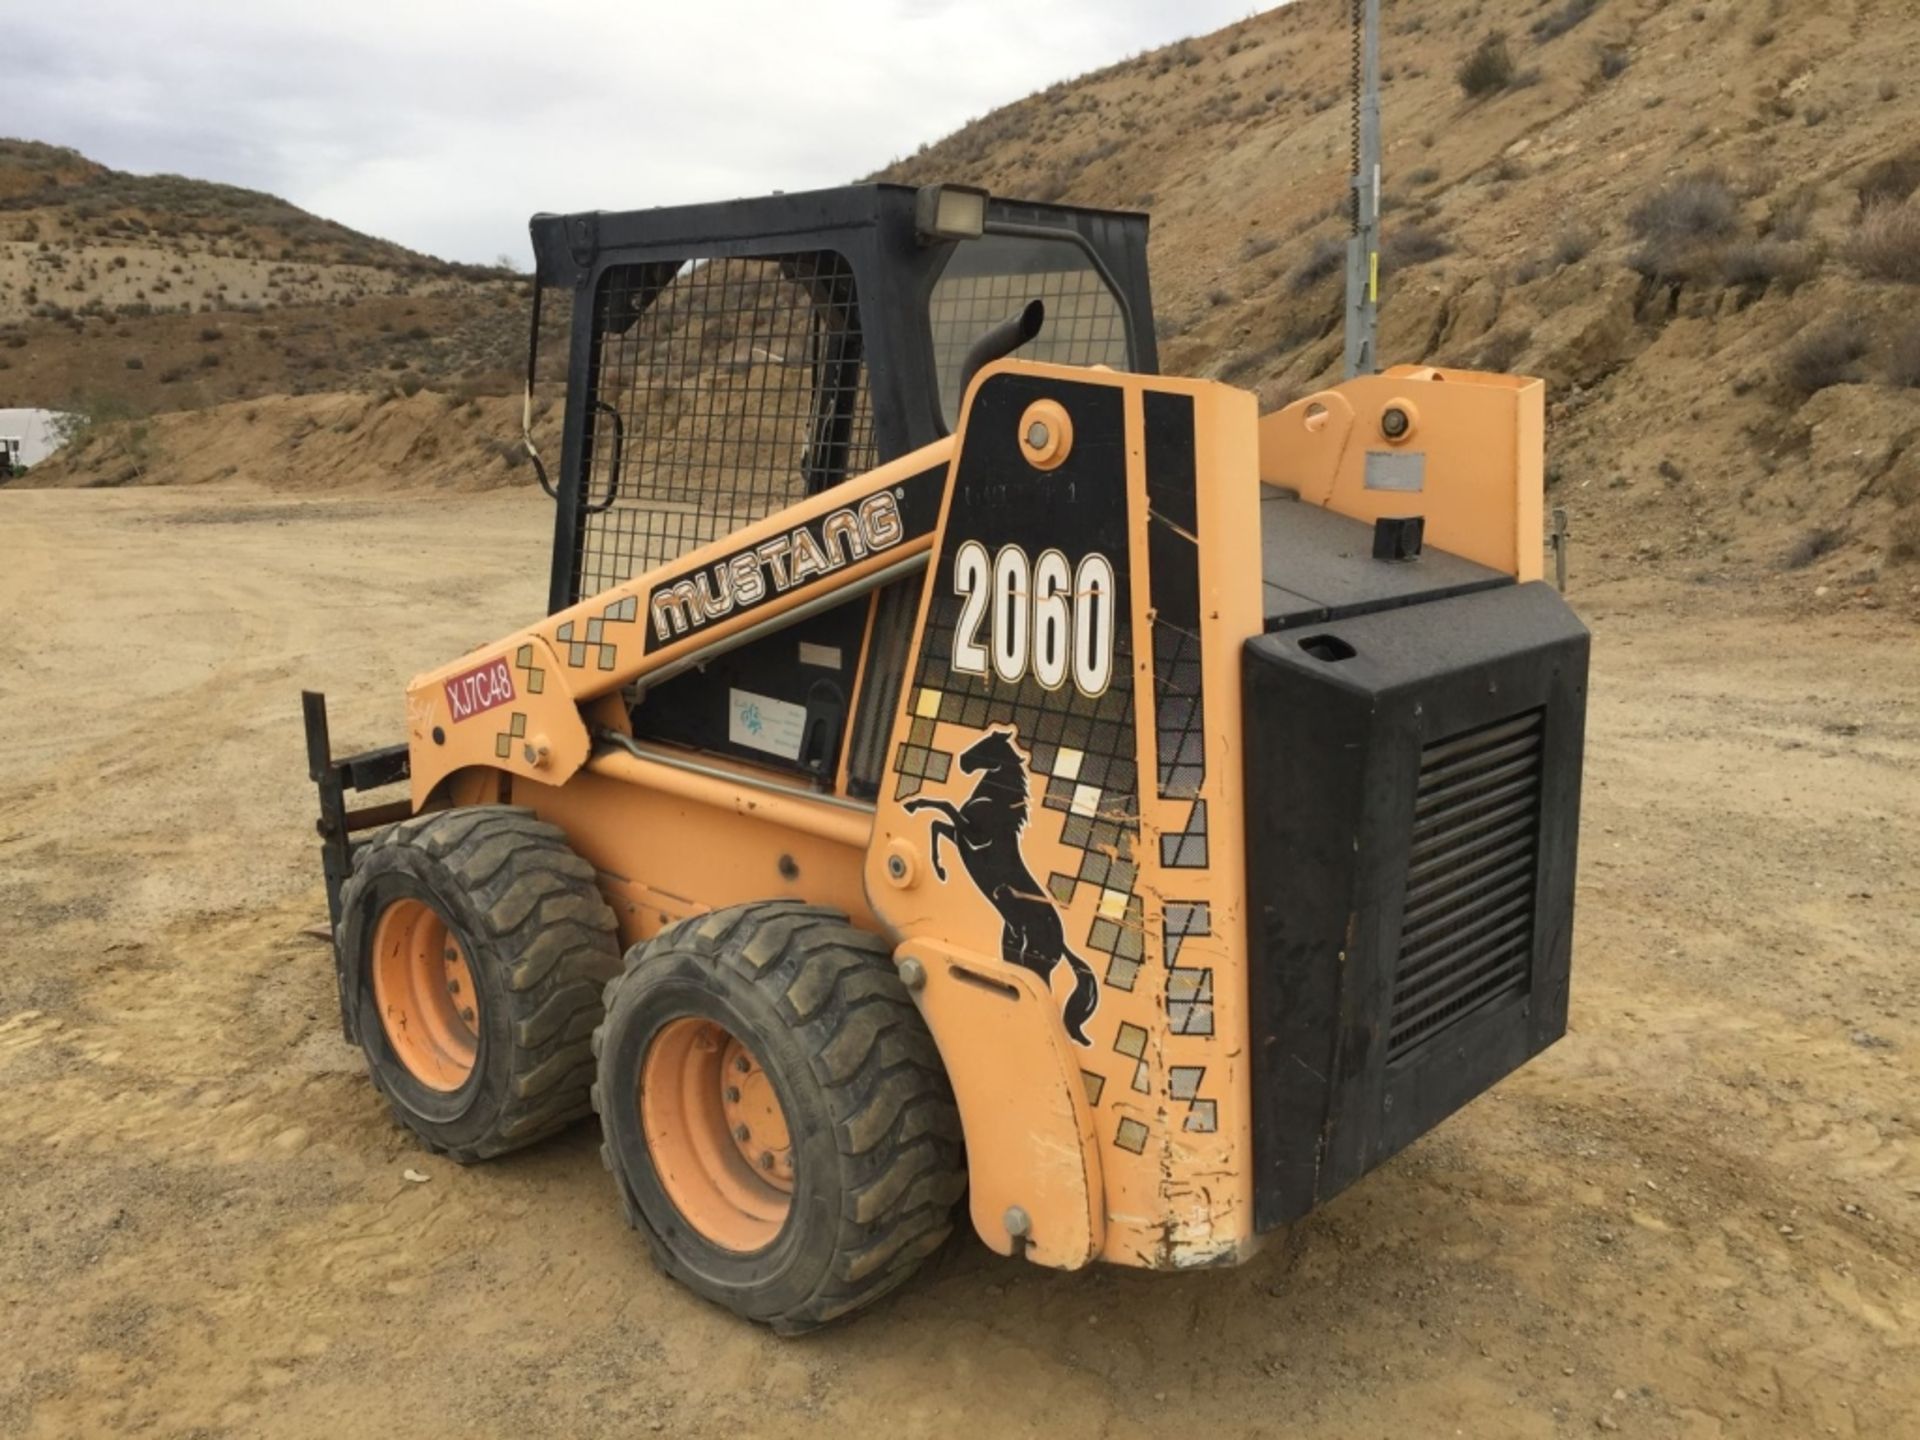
x=761, y=722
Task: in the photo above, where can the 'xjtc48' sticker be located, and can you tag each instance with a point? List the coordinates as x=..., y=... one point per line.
x=481, y=688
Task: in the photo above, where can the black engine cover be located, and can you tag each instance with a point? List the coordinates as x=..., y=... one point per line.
x=1413, y=800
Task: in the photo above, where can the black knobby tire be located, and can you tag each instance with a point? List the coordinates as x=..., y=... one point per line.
x=541, y=944
x=876, y=1140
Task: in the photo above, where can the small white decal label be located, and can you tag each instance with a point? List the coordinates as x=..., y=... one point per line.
x=761, y=722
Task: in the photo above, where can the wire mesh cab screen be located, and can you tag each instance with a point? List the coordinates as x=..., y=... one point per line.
x=721, y=390
x=991, y=278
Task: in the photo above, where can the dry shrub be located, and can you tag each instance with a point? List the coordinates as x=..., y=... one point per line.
x=1894, y=179
x=1698, y=206
x=1681, y=225
x=1824, y=357
x=1811, y=545
x=1328, y=256
x=1573, y=244
x=1552, y=27
x=1488, y=70
x=1411, y=245
x=1757, y=264
x=1886, y=245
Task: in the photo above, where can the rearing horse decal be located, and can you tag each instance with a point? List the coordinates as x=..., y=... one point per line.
x=985, y=830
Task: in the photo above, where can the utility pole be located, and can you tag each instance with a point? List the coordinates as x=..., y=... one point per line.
x=1363, y=250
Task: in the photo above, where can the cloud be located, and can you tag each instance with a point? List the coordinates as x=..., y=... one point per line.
x=443, y=125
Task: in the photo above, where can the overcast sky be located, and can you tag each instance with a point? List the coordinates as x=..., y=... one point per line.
x=443, y=124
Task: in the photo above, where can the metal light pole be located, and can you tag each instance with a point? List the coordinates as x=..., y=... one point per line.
x=1363, y=250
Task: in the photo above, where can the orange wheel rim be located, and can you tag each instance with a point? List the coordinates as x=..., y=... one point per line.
x=423, y=989
x=717, y=1134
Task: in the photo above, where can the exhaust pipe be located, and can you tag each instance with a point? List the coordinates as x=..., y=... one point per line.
x=1001, y=341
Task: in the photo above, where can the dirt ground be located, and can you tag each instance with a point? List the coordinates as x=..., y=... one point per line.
x=1699, y=1215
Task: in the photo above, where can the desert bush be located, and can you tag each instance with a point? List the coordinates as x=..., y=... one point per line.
x=1407, y=245
x=1894, y=179
x=1254, y=246
x=1573, y=244
x=1886, y=244
x=1613, y=61
x=1553, y=26
x=1823, y=357
x=1678, y=226
x=1810, y=546
x=212, y=333
x=1696, y=206
x=1757, y=264
x=85, y=417
x=134, y=362
x=1328, y=256
x=1488, y=70
x=1425, y=175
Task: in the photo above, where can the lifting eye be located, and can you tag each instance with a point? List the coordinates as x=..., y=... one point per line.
x=1398, y=421
x=1046, y=434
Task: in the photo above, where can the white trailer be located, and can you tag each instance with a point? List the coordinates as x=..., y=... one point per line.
x=27, y=437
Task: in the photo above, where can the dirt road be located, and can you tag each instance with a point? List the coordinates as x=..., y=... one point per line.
x=1699, y=1215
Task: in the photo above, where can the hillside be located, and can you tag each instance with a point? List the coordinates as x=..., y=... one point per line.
x=141, y=293
x=1660, y=210
x=1695, y=221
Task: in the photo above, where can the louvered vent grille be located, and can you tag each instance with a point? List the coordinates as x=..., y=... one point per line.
x=1466, y=937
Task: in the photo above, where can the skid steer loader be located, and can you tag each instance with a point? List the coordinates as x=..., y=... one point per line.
x=962, y=761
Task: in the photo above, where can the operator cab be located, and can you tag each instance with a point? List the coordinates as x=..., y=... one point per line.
x=727, y=360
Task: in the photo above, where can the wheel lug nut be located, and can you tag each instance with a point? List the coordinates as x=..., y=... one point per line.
x=733, y=1093
x=742, y=1134
x=766, y=1159
x=742, y=1064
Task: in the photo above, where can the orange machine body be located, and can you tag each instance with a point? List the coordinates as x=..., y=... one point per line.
x=1130, y=1141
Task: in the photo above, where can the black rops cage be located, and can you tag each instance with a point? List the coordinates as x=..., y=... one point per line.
x=729, y=359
